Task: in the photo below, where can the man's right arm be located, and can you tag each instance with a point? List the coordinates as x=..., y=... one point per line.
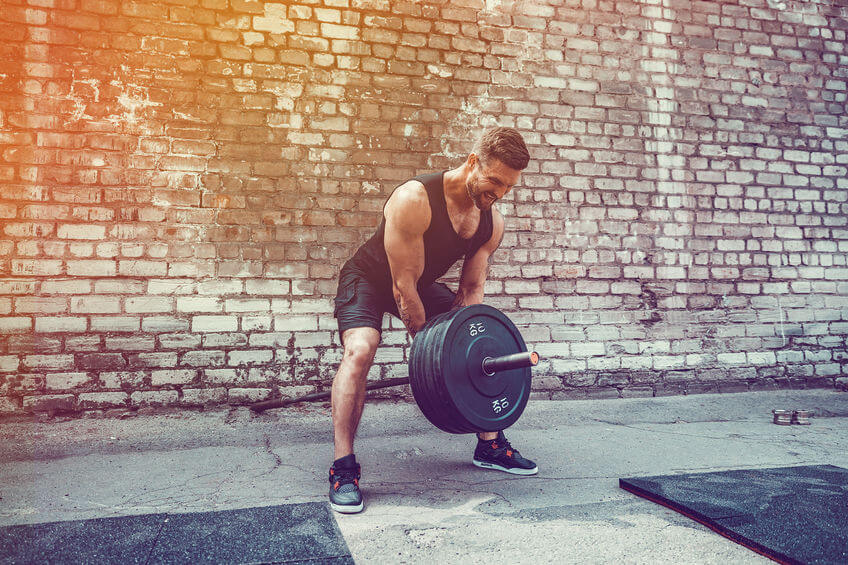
x=407, y=214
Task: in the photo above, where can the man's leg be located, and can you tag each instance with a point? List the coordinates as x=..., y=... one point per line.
x=359, y=312
x=348, y=394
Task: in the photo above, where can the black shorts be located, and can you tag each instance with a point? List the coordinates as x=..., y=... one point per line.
x=360, y=303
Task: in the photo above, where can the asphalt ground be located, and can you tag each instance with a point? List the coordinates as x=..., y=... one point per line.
x=424, y=500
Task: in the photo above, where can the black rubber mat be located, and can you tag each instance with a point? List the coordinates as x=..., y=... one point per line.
x=294, y=533
x=790, y=514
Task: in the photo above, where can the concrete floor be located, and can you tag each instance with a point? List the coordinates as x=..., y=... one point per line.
x=425, y=502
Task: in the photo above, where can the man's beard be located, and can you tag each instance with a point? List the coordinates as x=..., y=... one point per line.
x=481, y=201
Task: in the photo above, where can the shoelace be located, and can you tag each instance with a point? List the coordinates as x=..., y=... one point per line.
x=344, y=476
x=502, y=444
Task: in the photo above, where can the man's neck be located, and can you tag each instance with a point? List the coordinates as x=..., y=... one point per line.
x=455, y=189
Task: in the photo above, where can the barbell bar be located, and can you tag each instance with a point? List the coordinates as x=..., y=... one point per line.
x=504, y=363
x=469, y=371
x=511, y=361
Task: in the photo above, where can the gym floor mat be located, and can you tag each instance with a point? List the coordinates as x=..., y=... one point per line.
x=292, y=533
x=790, y=514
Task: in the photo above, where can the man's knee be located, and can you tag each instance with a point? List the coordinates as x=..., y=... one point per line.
x=360, y=347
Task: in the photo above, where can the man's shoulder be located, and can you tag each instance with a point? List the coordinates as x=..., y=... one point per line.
x=410, y=193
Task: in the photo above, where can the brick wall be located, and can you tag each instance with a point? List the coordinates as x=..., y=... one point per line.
x=182, y=179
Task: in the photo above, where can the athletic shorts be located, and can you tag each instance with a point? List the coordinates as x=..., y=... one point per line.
x=360, y=303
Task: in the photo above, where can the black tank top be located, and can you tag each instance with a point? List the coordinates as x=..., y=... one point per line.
x=442, y=245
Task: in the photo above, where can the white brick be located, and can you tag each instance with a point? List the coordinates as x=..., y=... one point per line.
x=9, y=363
x=761, y=358
x=15, y=325
x=588, y=349
x=154, y=397
x=172, y=377
x=92, y=268
x=64, y=381
x=100, y=400
x=220, y=287
x=273, y=20
x=251, y=357
x=273, y=287
x=637, y=362
x=603, y=363
x=148, y=304
x=162, y=324
x=295, y=323
x=221, y=376
x=171, y=286
x=66, y=287
x=214, y=324
x=247, y=305
x=333, y=31
x=568, y=365
x=118, y=379
x=60, y=324
x=248, y=395
x=115, y=323
x=81, y=231
x=137, y=268
x=199, y=304
x=95, y=305
x=731, y=358
x=669, y=361
x=201, y=396
x=256, y=323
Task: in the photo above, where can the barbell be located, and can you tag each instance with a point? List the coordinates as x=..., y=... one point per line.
x=469, y=370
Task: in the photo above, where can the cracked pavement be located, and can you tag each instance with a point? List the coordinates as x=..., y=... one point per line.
x=424, y=499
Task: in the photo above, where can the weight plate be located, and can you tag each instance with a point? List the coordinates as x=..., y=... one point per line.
x=448, y=417
x=447, y=377
x=483, y=403
x=421, y=373
x=418, y=372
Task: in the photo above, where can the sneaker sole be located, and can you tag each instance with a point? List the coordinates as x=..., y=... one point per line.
x=513, y=471
x=347, y=509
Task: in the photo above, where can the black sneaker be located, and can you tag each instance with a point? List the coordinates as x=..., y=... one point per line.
x=499, y=455
x=345, y=496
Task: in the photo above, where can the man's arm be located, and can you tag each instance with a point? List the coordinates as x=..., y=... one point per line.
x=407, y=214
x=475, y=269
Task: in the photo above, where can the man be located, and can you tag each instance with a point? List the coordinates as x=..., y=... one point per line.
x=429, y=222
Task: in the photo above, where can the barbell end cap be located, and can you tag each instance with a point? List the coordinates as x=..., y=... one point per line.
x=534, y=358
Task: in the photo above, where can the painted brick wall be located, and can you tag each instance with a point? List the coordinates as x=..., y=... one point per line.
x=182, y=179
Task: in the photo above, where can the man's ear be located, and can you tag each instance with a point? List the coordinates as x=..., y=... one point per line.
x=471, y=160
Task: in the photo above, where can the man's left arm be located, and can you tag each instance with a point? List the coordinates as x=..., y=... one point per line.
x=475, y=269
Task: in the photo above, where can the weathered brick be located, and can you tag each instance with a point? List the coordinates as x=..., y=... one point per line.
x=254, y=356
x=49, y=403
x=203, y=396
x=172, y=377
x=66, y=381
x=154, y=398
x=239, y=396
x=101, y=400
x=48, y=362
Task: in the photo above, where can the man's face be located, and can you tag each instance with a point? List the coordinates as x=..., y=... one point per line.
x=489, y=182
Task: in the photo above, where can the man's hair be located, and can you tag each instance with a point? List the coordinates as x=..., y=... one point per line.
x=505, y=145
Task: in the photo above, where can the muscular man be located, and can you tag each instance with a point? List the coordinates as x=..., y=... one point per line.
x=429, y=222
